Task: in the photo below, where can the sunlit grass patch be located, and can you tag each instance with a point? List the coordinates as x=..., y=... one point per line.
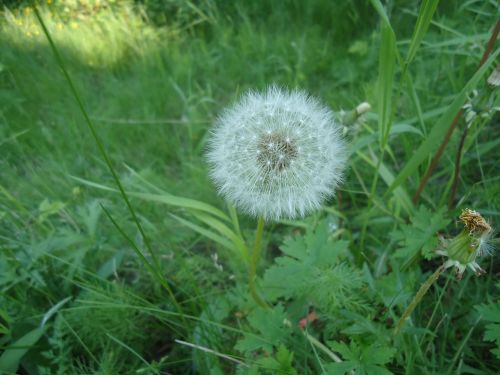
x=98, y=34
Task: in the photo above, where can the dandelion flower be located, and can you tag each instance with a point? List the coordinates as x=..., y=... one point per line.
x=474, y=241
x=276, y=154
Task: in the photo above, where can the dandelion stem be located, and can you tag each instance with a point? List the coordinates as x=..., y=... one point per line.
x=418, y=297
x=427, y=327
x=254, y=261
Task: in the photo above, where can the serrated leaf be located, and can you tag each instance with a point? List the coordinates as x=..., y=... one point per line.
x=491, y=313
x=365, y=360
x=311, y=269
x=286, y=277
x=281, y=363
x=343, y=349
x=340, y=368
x=492, y=332
x=295, y=247
x=421, y=234
x=271, y=327
x=379, y=355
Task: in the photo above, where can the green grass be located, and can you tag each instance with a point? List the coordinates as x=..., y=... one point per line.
x=152, y=77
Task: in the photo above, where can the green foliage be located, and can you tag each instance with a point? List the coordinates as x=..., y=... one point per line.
x=363, y=360
x=59, y=352
x=420, y=237
x=152, y=76
x=491, y=313
x=396, y=288
x=10, y=358
x=104, y=312
x=314, y=270
x=279, y=363
x=273, y=329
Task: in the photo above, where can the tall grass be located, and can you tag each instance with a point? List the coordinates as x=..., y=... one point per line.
x=150, y=83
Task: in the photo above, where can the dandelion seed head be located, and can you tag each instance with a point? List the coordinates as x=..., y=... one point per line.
x=473, y=242
x=295, y=154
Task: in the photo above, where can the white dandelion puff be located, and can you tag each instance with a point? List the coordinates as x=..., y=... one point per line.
x=287, y=160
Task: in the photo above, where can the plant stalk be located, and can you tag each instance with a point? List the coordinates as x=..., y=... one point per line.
x=453, y=125
x=456, y=175
x=322, y=347
x=418, y=297
x=254, y=260
x=156, y=263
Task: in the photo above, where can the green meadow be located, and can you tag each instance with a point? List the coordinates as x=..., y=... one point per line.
x=118, y=255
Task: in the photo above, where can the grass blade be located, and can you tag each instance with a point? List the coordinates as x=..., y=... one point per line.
x=53, y=310
x=187, y=203
x=154, y=271
x=225, y=231
x=401, y=196
x=98, y=142
x=431, y=143
x=137, y=355
x=427, y=9
x=166, y=198
x=387, y=62
x=381, y=12
x=11, y=357
x=205, y=232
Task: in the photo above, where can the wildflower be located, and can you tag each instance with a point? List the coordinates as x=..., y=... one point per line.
x=276, y=154
x=461, y=251
x=474, y=241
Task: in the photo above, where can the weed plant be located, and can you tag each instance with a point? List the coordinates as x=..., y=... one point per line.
x=117, y=256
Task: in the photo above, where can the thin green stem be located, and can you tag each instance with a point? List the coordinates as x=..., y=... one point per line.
x=462, y=345
x=489, y=48
x=418, y=297
x=434, y=312
x=322, y=347
x=254, y=261
x=103, y=152
x=93, y=131
x=370, y=200
x=154, y=271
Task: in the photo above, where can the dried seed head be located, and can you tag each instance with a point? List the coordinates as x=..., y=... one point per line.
x=473, y=242
x=276, y=154
x=474, y=222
